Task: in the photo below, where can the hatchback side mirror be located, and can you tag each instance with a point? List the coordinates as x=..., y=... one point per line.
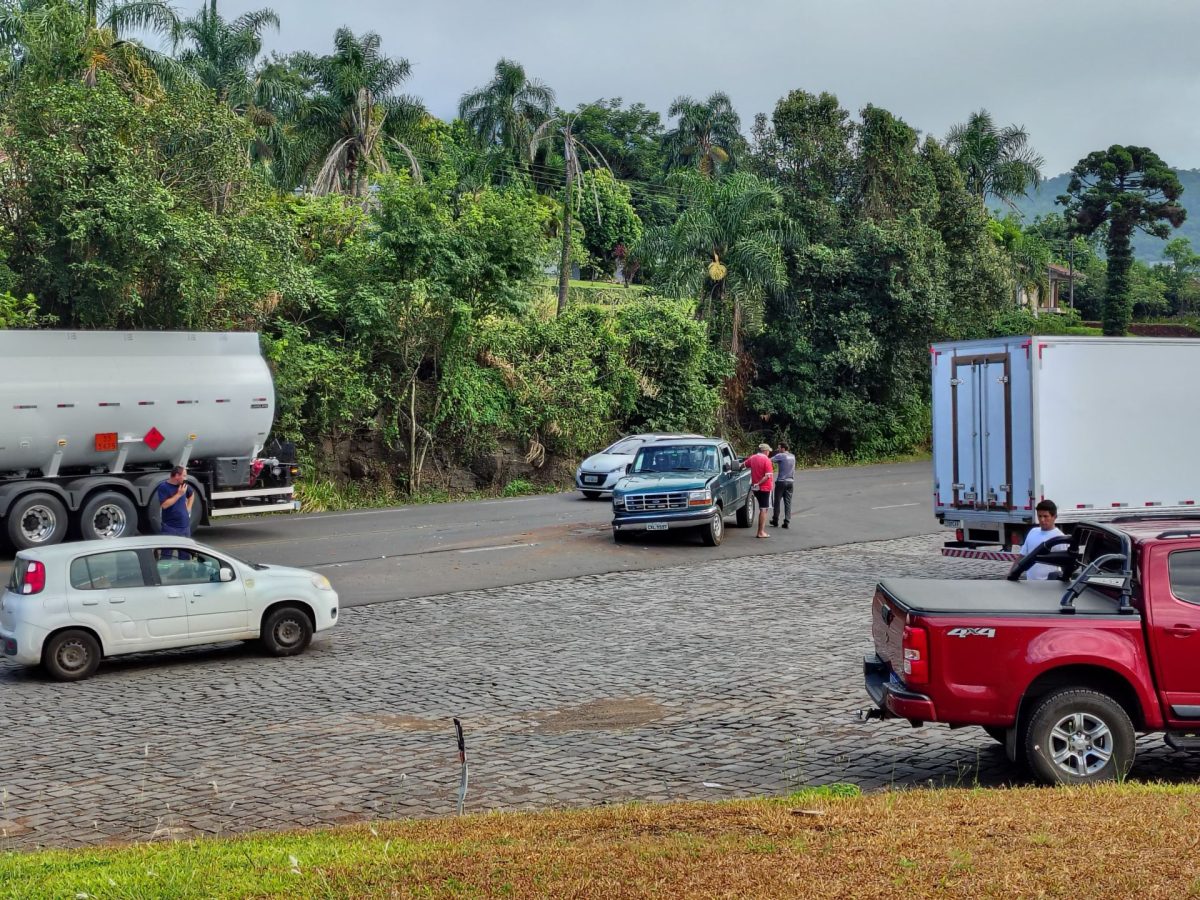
x=628, y=468
x=227, y=574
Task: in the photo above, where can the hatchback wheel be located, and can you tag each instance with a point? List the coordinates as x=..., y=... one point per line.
x=286, y=631
x=71, y=656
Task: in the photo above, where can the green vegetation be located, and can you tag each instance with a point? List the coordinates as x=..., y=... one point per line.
x=398, y=267
x=961, y=842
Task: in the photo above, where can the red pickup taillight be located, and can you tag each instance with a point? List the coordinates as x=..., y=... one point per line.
x=916, y=655
x=34, y=581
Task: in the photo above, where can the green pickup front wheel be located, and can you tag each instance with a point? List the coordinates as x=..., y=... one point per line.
x=714, y=532
x=745, y=515
x=1079, y=736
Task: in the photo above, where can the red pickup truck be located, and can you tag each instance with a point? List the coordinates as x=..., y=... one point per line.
x=1066, y=672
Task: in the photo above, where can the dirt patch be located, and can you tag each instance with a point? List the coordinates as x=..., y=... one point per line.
x=603, y=715
x=412, y=723
x=364, y=724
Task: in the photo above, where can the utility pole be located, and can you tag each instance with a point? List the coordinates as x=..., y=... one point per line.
x=1071, y=270
x=564, y=272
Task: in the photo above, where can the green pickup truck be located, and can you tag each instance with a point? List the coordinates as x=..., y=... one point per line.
x=690, y=483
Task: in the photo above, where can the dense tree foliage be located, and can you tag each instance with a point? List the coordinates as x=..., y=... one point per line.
x=400, y=268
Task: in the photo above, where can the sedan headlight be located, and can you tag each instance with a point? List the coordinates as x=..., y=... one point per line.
x=700, y=498
x=321, y=583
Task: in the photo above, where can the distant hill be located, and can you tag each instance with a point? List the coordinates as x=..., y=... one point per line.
x=1149, y=249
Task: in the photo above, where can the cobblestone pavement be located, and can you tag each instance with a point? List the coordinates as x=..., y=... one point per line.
x=720, y=679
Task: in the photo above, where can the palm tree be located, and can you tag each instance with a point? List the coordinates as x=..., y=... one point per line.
x=353, y=114
x=72, y=39
x=995, y=162
x=705, y=134
x=507, y=112
x=726, y=248
x=223, y=56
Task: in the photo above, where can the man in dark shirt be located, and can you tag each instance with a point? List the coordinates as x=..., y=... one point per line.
x=783, y=484
x=176, y=497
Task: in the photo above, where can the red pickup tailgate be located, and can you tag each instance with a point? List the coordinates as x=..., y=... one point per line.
x=887, y=629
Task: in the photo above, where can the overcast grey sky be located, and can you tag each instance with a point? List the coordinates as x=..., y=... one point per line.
x=1079, y=74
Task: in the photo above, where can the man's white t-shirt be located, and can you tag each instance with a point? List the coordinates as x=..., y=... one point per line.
x=1033, y=540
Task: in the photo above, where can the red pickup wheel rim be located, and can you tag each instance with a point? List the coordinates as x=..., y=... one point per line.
x=1081, y=744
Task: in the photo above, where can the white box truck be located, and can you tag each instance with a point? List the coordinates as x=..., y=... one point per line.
x=91, y=422
x=1104, y=427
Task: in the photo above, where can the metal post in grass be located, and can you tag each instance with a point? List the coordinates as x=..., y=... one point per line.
x=462, y=761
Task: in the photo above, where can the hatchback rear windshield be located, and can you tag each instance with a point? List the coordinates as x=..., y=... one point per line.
x=18, y=574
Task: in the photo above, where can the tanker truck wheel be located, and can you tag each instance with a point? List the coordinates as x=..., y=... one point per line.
x=108, y=515
x=150, y=515
x=36, y=520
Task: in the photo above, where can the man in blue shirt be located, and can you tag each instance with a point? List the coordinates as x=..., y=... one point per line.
x=176, y=497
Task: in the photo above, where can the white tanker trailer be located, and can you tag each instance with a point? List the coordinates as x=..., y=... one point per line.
x=92, y=421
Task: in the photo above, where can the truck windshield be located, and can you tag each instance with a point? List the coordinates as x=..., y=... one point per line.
x=676, y=458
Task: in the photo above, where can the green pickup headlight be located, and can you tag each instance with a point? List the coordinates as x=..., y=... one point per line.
x=700, y=498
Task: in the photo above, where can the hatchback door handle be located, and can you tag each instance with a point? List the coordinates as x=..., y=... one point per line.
x=1182, y=630
x=116, y=599
x=174, y=595
x=197, y=593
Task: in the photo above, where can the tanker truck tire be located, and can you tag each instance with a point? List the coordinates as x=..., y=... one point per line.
x=150, y=516
x=36, y=520
x=108, y=515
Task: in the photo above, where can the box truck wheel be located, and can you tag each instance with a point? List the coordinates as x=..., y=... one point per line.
x=108, y=515
x=36, y=520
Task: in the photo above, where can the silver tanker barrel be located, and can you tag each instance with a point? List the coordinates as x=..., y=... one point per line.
x=86, y=410
x=168, y=397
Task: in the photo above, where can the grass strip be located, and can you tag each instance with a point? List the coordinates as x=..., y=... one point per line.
x=1118, y=840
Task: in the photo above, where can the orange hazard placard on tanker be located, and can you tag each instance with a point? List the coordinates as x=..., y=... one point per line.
x=106, y=442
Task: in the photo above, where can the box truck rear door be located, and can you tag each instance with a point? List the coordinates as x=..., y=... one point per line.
x=982, y=413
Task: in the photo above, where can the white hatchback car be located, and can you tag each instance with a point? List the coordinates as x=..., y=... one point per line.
x=69, y=605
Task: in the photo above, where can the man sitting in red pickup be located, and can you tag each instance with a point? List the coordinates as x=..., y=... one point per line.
x=1047, y=514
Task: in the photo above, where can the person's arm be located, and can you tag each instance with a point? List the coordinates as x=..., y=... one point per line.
x=173, y=499
x=191, y=498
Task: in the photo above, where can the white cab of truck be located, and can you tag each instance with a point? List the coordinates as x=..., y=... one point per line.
x=1104, y=427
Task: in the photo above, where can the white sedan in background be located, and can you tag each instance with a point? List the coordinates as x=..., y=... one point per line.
x=68, y=606
x=598, y=473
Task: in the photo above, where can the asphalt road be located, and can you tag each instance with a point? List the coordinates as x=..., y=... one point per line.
x=418, y=551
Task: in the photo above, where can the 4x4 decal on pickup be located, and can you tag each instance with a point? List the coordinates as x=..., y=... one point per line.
x=971, y=632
